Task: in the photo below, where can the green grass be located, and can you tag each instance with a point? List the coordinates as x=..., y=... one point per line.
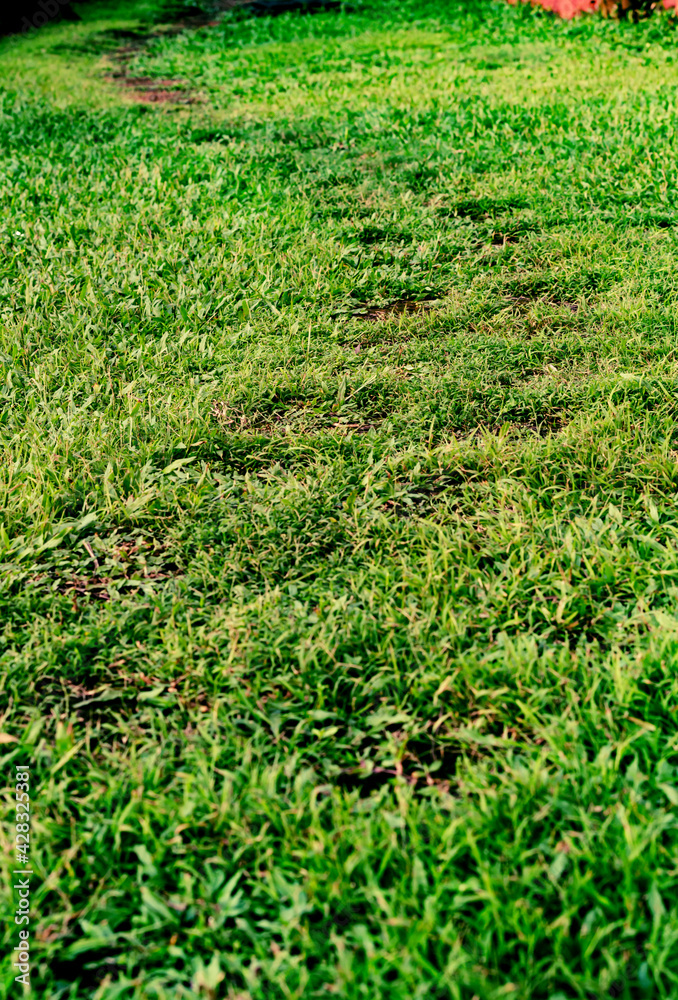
x=343, y=650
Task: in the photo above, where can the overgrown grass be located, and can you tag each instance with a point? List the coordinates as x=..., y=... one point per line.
x=339, y=476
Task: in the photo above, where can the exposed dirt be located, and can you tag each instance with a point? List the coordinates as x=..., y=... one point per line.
x=528, y=300
x=127, y=567
x=148, y=90
x=271, y=8
x=293, y=420
x=399, y=308
x=500, y=239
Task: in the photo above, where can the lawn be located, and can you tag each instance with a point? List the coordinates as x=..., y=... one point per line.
x=339, y=476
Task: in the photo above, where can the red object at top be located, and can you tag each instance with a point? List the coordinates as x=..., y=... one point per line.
x=570, y=8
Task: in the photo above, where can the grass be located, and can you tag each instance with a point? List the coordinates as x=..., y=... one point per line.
x=339, y=474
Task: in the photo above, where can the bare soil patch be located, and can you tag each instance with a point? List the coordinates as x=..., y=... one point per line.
x=401, y=307
x=148, y=90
